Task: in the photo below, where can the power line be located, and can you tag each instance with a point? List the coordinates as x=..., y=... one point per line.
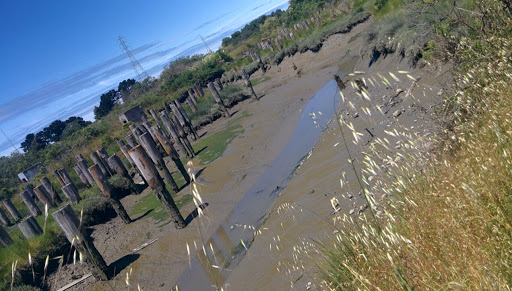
x=205, y=45
x=10, y=142
x=137, y=67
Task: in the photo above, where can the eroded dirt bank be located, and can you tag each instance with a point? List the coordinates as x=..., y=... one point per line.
x=267, y=126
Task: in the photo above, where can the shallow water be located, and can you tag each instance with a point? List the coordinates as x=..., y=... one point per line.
x=224, y=250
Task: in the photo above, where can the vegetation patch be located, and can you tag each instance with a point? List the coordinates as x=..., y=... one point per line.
x=212, y=147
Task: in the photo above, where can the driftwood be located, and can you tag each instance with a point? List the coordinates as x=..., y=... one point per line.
x=148, y=170
x=72, y=228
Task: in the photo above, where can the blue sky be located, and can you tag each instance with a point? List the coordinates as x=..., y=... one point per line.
x=59, y=56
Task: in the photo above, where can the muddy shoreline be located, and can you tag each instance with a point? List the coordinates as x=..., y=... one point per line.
x=268, y=125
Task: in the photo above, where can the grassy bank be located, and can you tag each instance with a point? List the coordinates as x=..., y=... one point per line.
x=447, y=224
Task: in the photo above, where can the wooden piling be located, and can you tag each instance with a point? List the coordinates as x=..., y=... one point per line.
x=29, y=227
x=134, y=131
x=81, y=176
x=31, y=204
x=247, y=80
x=131, y=141
x=150, y=173
x=12, y=209
x=49, y=187
x=153, y=114
x=199, y=89
x=278, y=44
x=75, y=233
x=82, y=164
x=192, y=97
x=4, y=218
x=107, y=191
x=102, y=153
x=169, y=149
x=118, y=167
x=191, y=104
x=5, y=238
x=150, y=147
x=71, y=193
x=217, y=98
x=59, y=178
x=44, y=196
x=183, y=136
x=174, y=135
x=183, y=118
x=96, y=160
x=124, y=149
x=196, y=92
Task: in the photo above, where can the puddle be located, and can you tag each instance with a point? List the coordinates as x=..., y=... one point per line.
x=224, y=250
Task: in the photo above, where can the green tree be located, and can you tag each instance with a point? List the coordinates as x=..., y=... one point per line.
x=107, y=101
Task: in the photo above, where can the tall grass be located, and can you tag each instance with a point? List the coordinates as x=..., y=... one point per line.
x=446, y=217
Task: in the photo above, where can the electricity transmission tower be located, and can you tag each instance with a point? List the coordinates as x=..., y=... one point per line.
x=206, y=46
x=137, y=67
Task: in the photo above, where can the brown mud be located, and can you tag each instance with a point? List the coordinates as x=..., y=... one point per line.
x=268, y=125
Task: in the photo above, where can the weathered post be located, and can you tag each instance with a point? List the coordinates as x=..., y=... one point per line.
x=96, y=160
x=118, y=167
x=124, y=148
x=216, y=96
x=81, y=176
x=150, y=147
x=29, y=227
x=73, y=229
x=247, y=80
x=4, y=218
x=199, y=89
x=59, y=178
x=106, y=189
x=219, y=84
x=153, y=114
x=12, y=209
x=183, y=136
x=82, y=164
x=192, y=97
x=102, y=153
x=191, y=104
x=175, y=137
x=121, y=170
x=49, y=187
x=131, y=141
x=30, y=191
x=278, y=45
x=135, y=133
x=182, y=117
x=71, y=193
x=5, y=238
x=147, y=168
x=31, y=205
x=196, y=92
x=169, y=149
x=44, y=196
